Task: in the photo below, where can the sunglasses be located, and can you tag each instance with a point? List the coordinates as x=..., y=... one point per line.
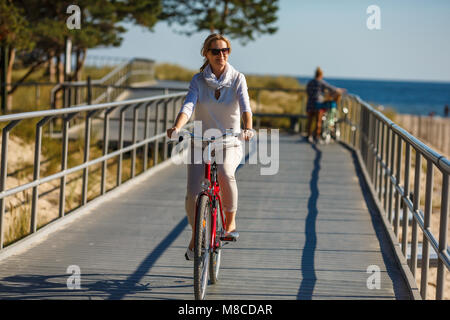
x=216, y=52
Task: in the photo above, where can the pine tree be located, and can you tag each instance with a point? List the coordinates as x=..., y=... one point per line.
x=14, y=33
x=238, y=19
x=36, y=29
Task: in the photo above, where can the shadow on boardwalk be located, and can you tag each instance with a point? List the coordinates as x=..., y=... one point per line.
x=308, y=274
x=56, y=285
x=309, y=278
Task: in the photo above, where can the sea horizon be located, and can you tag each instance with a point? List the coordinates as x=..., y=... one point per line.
x=376, y=79
x=406, y=97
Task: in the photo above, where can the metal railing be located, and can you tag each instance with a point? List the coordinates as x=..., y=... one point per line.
x=102, y=61
x=106, y=89
x=387, y=151
x=385, y=148
x=36, y=93
x=151, y=117
x=434, y=130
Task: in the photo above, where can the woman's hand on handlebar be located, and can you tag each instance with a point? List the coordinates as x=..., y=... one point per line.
x=171, y=131
x=247, y=134
x=174, y=133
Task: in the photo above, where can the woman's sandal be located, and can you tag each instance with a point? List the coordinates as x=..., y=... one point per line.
x=189, y=255
x=230, y=236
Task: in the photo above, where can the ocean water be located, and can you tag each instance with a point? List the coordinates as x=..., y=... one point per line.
x=419, y=98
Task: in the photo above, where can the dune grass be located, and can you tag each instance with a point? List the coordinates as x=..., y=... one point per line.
x=37, y=97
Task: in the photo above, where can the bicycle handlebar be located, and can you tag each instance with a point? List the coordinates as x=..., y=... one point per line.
x=180, y=136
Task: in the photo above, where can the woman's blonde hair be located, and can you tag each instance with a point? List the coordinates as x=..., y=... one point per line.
x=207, y=46
x=319, y=72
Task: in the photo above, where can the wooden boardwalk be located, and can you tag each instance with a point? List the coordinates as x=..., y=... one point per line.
x=305, y=233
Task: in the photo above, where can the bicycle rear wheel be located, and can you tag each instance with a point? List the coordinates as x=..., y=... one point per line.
x=215, y=256
x=202, y=247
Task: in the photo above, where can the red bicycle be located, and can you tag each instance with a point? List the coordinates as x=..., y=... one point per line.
x=208, y=227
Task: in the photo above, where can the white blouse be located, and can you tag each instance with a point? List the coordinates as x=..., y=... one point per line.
x=223, y=113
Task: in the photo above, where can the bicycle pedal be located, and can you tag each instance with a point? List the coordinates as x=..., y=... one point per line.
x=228, y=239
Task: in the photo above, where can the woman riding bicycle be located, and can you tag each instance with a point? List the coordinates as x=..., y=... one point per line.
x=218, y=95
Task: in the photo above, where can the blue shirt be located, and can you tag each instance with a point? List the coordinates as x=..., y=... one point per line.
x=315, y=89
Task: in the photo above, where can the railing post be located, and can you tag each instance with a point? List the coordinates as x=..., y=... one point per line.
x=36, y=172
x=174, y=116
x=387, y=169
x=105, y=149
x=397, y=187
x=355, y=125
x=120, y=144
x=380, y=183
x=155, y=153
x=4, y=173
x=166, y=126
x=391, y=174
x=371, y=145
x=146, y=134
x=65, y=146
x=108, y=93
x=406, y=196
x=426, y=225
x=443, y=232
x=416, y=205
x=89, y=90
x=134, y=139
x=87, y=146
x=363, y=129
x=376, y=153
x=175, y=109
x=358, y=132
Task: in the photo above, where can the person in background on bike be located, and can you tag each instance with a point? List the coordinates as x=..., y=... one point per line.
x=218, y=95
x=315, y=89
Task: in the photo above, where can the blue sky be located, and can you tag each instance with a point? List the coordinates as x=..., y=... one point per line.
x=412, y=44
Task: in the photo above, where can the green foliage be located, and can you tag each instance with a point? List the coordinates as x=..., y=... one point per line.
x=142, y=12
x=13, y=26
x=276, y=101
x=27, y=98
x=37, y=30
x=236, y=18
x=96, y=72
x=277, y=82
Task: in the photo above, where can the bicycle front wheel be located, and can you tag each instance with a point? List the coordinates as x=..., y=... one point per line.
x=202, y=246
x=215, y=255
